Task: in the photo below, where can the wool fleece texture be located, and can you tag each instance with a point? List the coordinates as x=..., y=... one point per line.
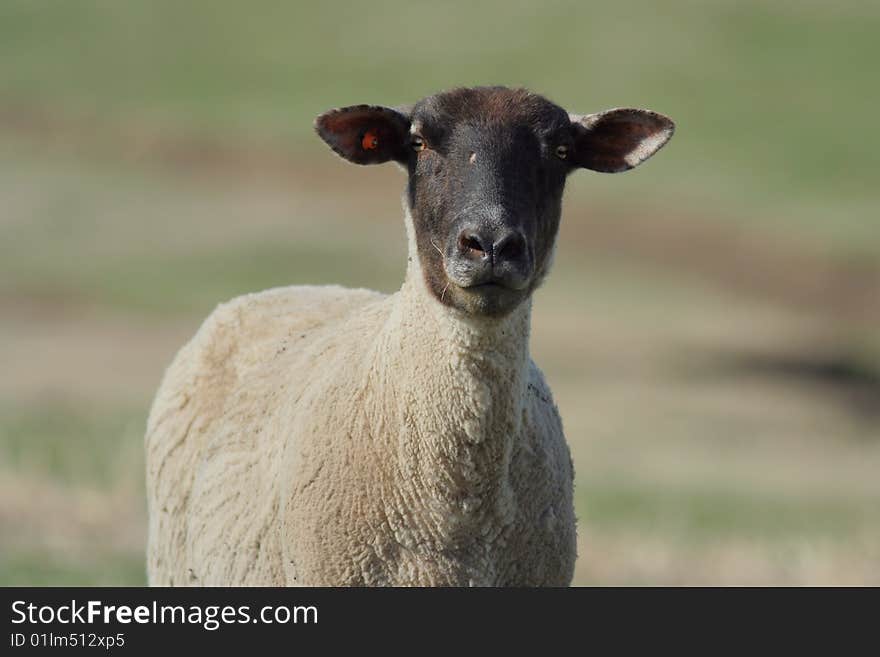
x=329, y=436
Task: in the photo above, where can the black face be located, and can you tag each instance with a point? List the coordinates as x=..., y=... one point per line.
x=487, y=168
x=486, y=176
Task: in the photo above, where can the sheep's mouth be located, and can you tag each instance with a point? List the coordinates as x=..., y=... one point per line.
x=491, y=286
x=492, y=298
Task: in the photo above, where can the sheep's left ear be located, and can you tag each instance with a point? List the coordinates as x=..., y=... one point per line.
x=366, y=134
x=618, y=139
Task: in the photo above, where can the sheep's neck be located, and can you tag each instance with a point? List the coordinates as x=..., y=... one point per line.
x=460, y=405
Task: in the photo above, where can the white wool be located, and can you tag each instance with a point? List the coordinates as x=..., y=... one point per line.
x=326, y=436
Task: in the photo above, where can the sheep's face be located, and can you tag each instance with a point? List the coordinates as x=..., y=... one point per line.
x=487, y=169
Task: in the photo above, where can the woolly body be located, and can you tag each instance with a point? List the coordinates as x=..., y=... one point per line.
x=324, y=436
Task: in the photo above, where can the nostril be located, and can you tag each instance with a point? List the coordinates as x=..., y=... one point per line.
x=471, y=245
x=510, y=247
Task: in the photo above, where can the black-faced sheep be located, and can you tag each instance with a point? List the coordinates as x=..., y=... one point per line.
x=327, y=436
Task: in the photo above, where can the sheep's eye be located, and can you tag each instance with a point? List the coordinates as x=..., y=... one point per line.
x=562, y=152
x=418, y=143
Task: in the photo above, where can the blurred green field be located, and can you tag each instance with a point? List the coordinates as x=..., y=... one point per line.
x=710, y=329
x=773, y=99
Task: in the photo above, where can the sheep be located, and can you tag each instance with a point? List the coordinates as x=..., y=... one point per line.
x=329, y=436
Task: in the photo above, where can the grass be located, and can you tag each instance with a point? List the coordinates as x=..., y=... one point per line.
x=695, y=513
x=124, y=237
x=73, y=445
x=72, y=503
x=709, y=443
x=770, y=98
x=152, y=285
x=51, y=568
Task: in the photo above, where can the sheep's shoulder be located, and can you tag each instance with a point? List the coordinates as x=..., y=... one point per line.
x=245, y=334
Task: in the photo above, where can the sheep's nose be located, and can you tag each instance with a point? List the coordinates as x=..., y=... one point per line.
x=493, y=247
x=480, y=253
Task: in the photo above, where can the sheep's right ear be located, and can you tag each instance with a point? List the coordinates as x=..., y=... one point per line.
x=366, y=134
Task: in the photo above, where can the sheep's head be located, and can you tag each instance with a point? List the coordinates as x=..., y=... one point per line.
x=487, y=167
